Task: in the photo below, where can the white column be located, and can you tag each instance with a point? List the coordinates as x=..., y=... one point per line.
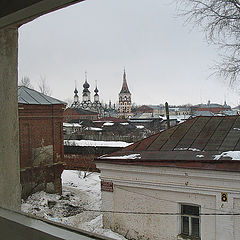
x=9, y=146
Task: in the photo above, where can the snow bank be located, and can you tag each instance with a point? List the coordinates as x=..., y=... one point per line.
x=234, y=155
x=79, y=193
x=91, y=143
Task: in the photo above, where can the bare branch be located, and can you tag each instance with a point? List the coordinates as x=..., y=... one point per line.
x=25, y=81
x=43, y=86
x=220, y=20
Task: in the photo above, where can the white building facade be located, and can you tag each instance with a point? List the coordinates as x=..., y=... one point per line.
x=211, y=197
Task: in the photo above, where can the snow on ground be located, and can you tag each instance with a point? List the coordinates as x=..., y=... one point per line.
x=91, y=143
x=235, y=155
x=78, y=194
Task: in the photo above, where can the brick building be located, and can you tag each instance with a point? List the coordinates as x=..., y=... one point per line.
x=209, y=109
x=41, y=141
x=144, y=109
x=71, y=114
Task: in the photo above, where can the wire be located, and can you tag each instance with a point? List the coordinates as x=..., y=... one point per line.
x=159, y=213
x=167, y=200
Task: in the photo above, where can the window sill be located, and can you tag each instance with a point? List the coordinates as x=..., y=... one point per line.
x=186, y=237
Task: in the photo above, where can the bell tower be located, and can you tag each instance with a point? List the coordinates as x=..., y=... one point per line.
x=125, y=102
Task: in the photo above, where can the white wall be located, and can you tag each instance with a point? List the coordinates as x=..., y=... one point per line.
x=162, y=189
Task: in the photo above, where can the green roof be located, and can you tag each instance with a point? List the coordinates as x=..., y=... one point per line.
x=31, y=96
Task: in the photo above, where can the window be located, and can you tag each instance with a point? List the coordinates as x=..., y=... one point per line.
x=190, y=221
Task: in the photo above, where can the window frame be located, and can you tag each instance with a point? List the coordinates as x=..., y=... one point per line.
x=184, y=235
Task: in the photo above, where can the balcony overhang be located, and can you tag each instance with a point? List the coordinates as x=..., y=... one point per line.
x=15, y=12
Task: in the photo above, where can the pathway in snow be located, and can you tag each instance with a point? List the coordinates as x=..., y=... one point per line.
x=78, y=193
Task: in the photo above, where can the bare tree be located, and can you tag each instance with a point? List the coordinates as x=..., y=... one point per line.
x=25, y=81
x=69, y=101
x=220, y=20
x=44, y=87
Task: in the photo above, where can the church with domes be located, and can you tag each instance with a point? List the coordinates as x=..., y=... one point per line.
x=86, y=102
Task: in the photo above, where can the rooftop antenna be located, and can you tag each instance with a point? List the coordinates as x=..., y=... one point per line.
x=85, y=75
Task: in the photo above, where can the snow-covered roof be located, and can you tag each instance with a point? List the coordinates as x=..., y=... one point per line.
x=93, y=129
x=108, y=124
x=31, y=96
x=72, y=125
x=91, y=143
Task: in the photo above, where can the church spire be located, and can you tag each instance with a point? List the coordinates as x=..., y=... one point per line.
x=124, y=86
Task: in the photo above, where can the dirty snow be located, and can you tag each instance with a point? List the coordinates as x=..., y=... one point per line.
x=91, y=143
x=235, y=155
x=130, y=156
x=78, y=195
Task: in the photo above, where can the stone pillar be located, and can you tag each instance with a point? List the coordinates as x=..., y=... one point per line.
x=9, y=146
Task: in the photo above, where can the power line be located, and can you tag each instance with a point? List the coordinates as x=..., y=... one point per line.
x=158, y=213
x=167, y=200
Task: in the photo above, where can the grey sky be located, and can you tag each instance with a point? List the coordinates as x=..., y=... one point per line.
x=164, y=60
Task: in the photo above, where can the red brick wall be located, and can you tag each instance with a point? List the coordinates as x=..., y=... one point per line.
x=69, y=114
x=213, y=110
x=40, y=126
x=80, y=162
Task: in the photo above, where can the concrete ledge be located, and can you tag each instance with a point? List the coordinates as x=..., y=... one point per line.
x=16, y=225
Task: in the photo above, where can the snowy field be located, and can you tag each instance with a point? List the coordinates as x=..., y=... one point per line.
x=78, y=194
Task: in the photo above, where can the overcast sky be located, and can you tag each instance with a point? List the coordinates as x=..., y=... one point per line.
x=164, y=60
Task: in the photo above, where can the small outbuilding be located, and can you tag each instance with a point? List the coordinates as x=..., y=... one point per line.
x=181, y=183
x=41, y=141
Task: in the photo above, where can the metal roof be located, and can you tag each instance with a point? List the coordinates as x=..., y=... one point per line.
x=190, y=143
x=82, y=111
x=30, y=96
